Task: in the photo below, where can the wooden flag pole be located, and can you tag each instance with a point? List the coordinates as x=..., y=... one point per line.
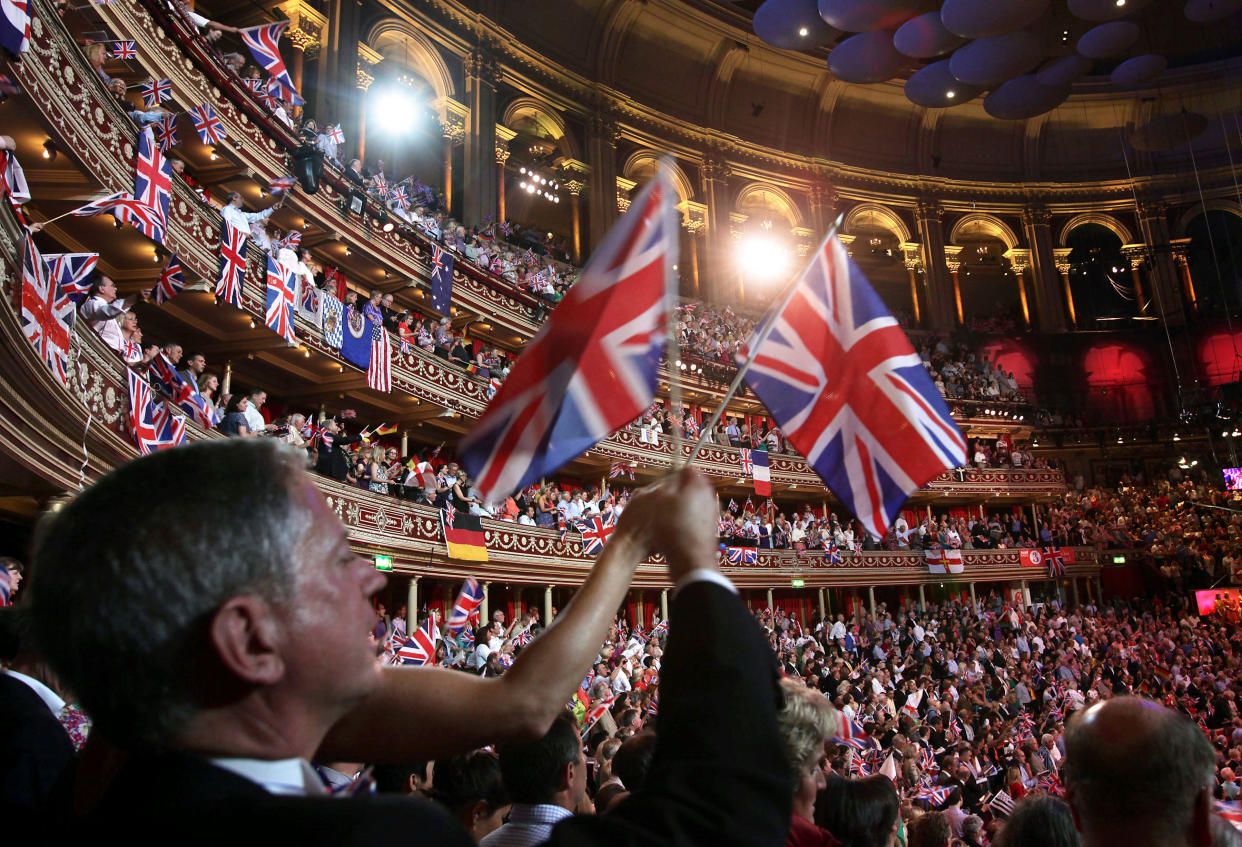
x=764, y=332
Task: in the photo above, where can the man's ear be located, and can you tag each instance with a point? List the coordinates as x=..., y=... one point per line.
x=565, y=779
x=1201, y=819
x=246, y=637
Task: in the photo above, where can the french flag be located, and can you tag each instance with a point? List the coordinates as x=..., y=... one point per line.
x=762, y=471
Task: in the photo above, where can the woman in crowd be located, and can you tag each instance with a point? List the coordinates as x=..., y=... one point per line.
x=377, y=471
x=234, y=423
x=545, y=507
x=805, y=723
x=208, y=386
x=860, y=812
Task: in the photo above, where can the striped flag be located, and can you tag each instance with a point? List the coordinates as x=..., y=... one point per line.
x=466, y=607
x=155, y=92
x=379, y=371
x=282, y=185
x=123, y=50
x=420, y=648
x=208, y=126
x=71, y=272
x=15, y=26
x=166, y=132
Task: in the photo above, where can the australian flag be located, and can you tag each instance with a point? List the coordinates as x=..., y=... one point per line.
x=441, y=279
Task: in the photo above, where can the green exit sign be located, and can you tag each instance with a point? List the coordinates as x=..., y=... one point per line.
x=383, y=563
x=797, y=583
x=1119, y=560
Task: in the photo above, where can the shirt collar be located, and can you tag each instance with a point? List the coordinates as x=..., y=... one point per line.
x=541, y=813
x=276, y=776
x=50, y=698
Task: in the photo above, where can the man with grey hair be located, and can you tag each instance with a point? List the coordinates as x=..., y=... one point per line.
x=1139, y=774
x=221, y=670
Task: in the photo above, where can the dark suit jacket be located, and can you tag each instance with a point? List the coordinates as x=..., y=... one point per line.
x=178, y=798
x=332, y=461
x=719, y=774
x=34, y=749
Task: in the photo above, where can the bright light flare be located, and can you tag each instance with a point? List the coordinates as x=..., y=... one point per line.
x=394, y=110
x=762, y=257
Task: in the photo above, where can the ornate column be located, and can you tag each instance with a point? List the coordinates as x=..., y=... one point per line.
x=663, y=604
x=1020, y=260
x=822, y=200
x=1137, y=255
x=483, y=610
x=714, y=175
x=453, y=134
x=306, y=26
x=1061, y=257
x=1180, y=248
x=914, y=264
x=1165, y=294
x=503, y=136
x=574, y=177
x=547, y=605
x=694, y=220
x=1037, y=222
x=367, y=60
x=953, y=261
x=928, y=216
x=602, y=137
x=479, y=178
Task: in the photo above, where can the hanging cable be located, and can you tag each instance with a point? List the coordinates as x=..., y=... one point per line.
x=1177, y=374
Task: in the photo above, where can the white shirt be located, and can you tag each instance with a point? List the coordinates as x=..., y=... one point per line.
x=102, y=316
x=50, y=698
x=254, y=419
x=242, y=220
x=277, y=776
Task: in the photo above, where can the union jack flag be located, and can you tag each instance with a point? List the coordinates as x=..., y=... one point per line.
x=400, y=198
x=145, y=219
x=844, y=385
x=292, y=240
x=155, y=92
x=1051, y=783
x=832, y=554
x=620, y=469
x=46, y=313
x=70, y=272
x=659, y=629
x=166, y=132
x=420, y=648
x=725, y=527
x=465, y=638
x=743, y=555
x=124, y=50
x=523, y=638
x=935, y=795
x=153, y=181
x=153, y=426
x=15, y=26
x=282, y=185
x=595, y=533
x=208, y=126
x=1055, y=560
x=6, y=587
x=279, y=317
x=334, y=133
x=748, y=464
x=171, y=280
x=395, y=638
x=732, y=505
x=469, y=599
x=104, y=205
x=264, y=43
x=850, y=733
x=265, y=97
x=653, y=708
x=592, y=367
x=232, y=265
x=183, y=394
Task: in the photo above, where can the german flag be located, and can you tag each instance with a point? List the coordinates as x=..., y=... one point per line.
x=463, y=535
x=385, y=429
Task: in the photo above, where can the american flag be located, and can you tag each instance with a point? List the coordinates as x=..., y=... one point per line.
x=46, y=313
x=232, y=265
x=595, y=533
x=420, y=648
x=379, y=370
x=264, y=43
x=620, y=469
x=166, y=132
x=748, y=465
x=71, y=272
x=124, y=50
x=208, y=126
x=153, y=181
x=844, y=385
x=592, y=367
x=171, y=280
x=469, y=599
x=155, y=92
x=181, y=391
x=279, y=316
x=334, y=133
x=15, y=26
x=282, y=185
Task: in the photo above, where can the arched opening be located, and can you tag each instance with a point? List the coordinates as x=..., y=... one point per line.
x=991, y=295
x=535, y=189
x=1215, y=257
x=1101, y=280
x=877, y=252
x=765, y=252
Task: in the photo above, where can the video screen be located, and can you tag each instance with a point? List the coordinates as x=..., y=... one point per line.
x=1233, y=478
x=1225, y=603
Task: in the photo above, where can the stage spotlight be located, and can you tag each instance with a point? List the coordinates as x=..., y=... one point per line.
x=308, y=167
x=394, y=108
x=385, y=222
x=762, y=257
